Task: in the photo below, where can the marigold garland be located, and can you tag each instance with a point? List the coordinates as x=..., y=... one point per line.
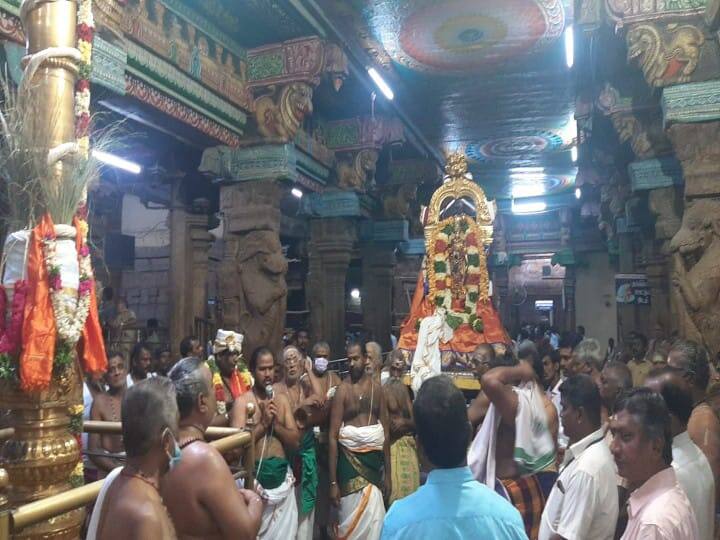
x=240, y=382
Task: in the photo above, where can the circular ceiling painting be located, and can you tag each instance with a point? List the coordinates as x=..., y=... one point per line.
x=548, y=185
x=513, y=147
x=466, y=34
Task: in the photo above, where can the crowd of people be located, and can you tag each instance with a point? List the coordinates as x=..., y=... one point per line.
x=565, y=440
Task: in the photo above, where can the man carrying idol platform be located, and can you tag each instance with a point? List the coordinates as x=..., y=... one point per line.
x=276, y=437
x=359, y=459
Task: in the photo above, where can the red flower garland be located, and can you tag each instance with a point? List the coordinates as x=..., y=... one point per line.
x=12, y=335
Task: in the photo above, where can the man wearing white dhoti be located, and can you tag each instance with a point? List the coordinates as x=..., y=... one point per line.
x=359, y=452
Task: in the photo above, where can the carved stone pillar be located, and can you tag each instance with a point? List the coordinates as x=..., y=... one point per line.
x=253, y=292
x=378, y=274
x=692, y=112
x=330, y=251
x=189, y=245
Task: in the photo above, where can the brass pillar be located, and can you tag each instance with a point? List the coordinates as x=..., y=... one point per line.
x=43, y=452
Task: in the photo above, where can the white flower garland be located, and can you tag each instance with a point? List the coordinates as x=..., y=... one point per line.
x=71, y=311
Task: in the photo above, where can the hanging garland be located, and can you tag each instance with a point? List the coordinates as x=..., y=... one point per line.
x=85, y=31
x=240, y=382
x=476, y=283
x=70, y=311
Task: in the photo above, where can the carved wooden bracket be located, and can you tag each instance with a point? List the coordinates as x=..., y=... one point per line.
x=667, y=53
x=356, y=170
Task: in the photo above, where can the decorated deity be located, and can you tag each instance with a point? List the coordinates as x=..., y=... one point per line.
x=451, y=312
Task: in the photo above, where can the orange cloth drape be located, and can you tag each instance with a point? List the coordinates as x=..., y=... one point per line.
x=465, y=339
x=39, y=334
x=92, y=346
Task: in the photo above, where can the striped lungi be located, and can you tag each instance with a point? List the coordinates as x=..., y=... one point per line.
x=528, y=494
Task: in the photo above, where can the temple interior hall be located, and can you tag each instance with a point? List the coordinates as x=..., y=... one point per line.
x=288, y=167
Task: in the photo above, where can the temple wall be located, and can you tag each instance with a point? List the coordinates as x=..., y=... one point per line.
x=595, y=298
x=147, y=286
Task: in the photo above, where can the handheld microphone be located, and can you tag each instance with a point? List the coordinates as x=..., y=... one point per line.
x=269, y=391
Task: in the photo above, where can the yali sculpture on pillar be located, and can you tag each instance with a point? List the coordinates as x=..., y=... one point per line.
x=451, y=312
x=49, y=327
x=696, y=253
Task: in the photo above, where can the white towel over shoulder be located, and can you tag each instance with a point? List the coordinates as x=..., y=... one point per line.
x=534, y=446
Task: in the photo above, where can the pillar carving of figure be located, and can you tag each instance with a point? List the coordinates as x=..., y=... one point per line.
x=378, y=276
x=330, y=251
x=253, y=291
x=695, y=247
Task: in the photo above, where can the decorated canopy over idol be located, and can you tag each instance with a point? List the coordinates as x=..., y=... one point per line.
x=451, y=312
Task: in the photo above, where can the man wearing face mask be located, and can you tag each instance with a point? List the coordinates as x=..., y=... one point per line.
x=276, y=438
x=129, y=505
x=403, y=451
x=215, y=507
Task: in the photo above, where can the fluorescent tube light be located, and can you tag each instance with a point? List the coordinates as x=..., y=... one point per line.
x=116, y=161
x=569, y=46
x=380, y=83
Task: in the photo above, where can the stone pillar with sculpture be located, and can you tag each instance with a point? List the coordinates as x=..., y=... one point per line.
x=48, y=311
x=669, y=44
x=253, y=291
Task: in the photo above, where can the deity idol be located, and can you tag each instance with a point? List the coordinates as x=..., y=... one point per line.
x=451, y=312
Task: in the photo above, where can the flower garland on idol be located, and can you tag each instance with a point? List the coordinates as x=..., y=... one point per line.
x=476, y=274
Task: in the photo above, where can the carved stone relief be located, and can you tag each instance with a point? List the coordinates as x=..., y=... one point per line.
x=252, y=274
x=696, y=270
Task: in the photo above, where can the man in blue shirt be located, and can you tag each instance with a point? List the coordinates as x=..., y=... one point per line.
x=451, y=504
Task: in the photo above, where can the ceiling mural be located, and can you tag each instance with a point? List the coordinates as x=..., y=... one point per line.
x=490, y=77
x=511, y=147
x=453, y=37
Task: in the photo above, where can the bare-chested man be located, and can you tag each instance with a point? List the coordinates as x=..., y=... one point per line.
x=104, y=449
x=214, y=508
x=703, y=426
x=483, y=359
x=324, y=383
x=403, y=451
x=359, y=451
x=306, y=407
x=129, y=506
x=527, y=480
x=276, y=438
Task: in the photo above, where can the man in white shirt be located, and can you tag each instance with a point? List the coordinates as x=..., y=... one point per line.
x=692, y=468
x=584, y=501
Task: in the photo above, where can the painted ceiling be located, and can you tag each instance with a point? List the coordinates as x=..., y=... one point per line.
x=488, y=76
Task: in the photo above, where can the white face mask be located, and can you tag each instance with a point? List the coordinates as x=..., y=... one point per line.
x=321, y=365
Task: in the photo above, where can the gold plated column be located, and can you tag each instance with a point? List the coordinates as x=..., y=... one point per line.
x=42, y=454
